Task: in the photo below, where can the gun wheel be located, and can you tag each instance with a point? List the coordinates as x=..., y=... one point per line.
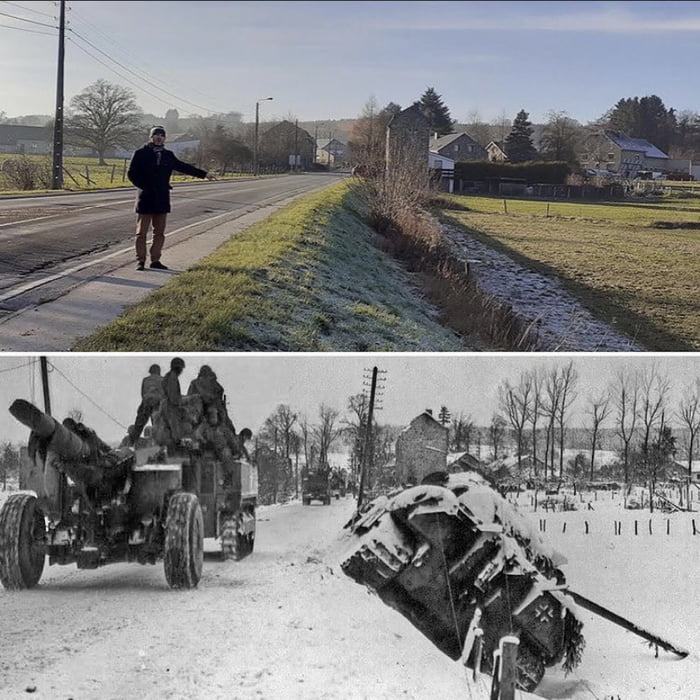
x=22, y=532
x=184, y=541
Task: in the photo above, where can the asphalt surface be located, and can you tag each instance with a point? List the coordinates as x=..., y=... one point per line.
x=59, y=305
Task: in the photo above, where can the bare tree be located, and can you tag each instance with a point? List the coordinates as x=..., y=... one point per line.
x=497, y=431
x=537, y=379
x=104, y=115
x=515, y=402
x=550, y=410
x=354, y=430
x=326, y=432
x=626, y=398
x=689, y=414
x=569, y=378
x=599, y=409
x=654, y=389
x=462, y=428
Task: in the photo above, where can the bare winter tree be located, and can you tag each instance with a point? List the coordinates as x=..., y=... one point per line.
x=599, y=409
x=497, y=432
x=104, y=115
x=516, y=404
x=654, y=390
x=550, y=410
x=326, y=432
x=626, y=398
x=282, y=424
x=689, y=415
x=537, y=379
x=354, y=429
x=569, y=378
x=462, y=429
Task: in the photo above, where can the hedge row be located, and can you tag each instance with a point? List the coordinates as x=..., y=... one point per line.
x=534, y=172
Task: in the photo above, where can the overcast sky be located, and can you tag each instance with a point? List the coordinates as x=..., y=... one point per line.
x=324, y=60
x=106, y=388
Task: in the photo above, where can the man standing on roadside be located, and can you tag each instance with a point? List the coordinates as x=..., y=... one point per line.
x=150, y=170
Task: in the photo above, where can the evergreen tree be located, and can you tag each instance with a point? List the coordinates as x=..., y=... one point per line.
x=518, y=146
x=644, y=118
x=437, y=113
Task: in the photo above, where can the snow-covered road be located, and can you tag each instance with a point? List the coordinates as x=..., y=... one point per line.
x=287, y=623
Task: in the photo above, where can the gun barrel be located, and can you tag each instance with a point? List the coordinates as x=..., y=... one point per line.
x=627, y=624
x=62, y=441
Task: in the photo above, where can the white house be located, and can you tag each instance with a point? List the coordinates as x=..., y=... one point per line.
x=445, y=167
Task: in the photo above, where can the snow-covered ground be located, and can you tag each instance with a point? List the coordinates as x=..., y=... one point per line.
x=287, y=623
x=562, y=322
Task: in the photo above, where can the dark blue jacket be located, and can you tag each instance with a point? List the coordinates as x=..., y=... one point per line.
x=150, y=171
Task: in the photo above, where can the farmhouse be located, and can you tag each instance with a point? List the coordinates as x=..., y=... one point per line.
x=622, y=155
x=421, y=448
x=285, y=145
x=16, y=138
x=460, y=147
x=330, y=151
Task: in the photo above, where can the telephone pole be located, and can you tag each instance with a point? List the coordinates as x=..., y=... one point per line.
x=367, y=451
x=57, y=172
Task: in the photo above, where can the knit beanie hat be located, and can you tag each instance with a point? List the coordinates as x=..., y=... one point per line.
x=157, y=130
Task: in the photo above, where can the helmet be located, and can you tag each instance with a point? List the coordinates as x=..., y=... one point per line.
x=154, y=369
x=177, y=362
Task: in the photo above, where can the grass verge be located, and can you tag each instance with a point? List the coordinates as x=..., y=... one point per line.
x=307, y=279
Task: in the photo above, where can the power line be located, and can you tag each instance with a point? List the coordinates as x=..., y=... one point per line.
x=28, y=9
x=16, y=367
x=84, y=395
x=31, y=21
x=120, y=49
x=22, y=29
x=180, y=99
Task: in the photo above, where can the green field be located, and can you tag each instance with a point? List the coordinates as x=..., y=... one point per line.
x=636, y=264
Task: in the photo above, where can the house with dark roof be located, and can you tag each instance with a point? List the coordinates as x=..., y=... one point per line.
x=460, y=147
x=330, y=151
x=286, y=145
x=17, y=138
x=618, y=153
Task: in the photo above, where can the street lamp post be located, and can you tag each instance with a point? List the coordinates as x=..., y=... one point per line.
x=257, y=124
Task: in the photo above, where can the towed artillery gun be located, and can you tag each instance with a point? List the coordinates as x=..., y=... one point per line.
x=83, y=502
x=459, y=562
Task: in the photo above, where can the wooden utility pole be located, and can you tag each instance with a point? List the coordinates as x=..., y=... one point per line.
x=57, y=172
x=368, y=438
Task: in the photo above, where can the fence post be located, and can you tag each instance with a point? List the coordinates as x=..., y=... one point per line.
x=505, y=207
x=114, y=167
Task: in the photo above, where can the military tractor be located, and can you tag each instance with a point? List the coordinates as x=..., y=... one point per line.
x=83, y=502
x=451, y=554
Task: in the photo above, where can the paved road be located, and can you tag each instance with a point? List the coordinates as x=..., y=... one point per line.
x=60, y=252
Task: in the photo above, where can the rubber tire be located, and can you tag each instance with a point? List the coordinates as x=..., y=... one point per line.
x=184, y=541
x=21, y=521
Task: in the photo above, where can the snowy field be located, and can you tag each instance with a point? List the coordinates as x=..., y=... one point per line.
x=287, y=623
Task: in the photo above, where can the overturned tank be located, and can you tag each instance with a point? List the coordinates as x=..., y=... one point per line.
x=452, y=552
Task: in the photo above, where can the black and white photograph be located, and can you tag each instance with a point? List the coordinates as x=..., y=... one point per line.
x=349, y=526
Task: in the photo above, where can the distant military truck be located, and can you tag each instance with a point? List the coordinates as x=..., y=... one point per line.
x=316, y=486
